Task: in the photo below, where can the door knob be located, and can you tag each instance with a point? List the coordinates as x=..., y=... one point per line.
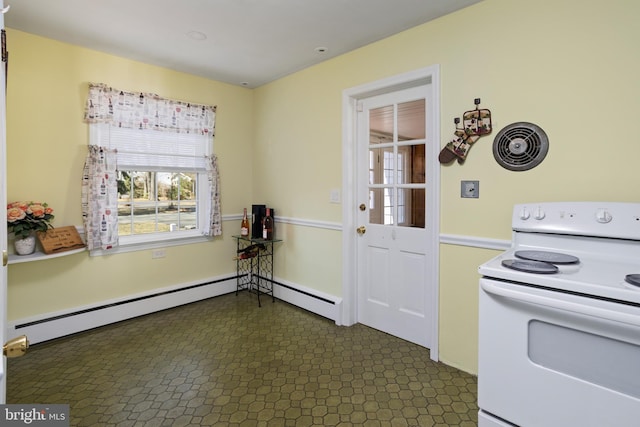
x=361, y=230
x=16, y=347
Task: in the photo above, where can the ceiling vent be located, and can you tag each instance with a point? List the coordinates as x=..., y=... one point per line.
x=520, y=146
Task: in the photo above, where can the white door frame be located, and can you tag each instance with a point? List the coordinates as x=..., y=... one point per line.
x=3, y=225
x=350, y=98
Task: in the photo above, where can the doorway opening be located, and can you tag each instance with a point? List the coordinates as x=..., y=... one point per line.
x=355, y=101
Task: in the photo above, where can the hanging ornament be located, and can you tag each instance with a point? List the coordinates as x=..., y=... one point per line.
x=475, y=123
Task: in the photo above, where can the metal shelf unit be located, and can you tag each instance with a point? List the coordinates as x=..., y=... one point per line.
x=255, y=273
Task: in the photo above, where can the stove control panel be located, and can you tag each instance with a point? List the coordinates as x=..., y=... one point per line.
x=606, y=219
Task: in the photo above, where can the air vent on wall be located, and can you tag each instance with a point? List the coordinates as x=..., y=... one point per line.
x=520, y=146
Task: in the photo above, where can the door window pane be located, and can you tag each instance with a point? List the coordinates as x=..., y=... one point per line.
x=381, y=125
x=411, y=120
x=381, y=165
x=411, y=164
x=376, y=206
x=411, y=211
x=381, y=206
x=388, y=206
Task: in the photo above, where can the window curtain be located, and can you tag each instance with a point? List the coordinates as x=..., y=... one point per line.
x=215, y=220
x=100, y=199
x=147, y=111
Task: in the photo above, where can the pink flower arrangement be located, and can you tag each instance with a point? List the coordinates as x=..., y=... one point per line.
x=25, y=217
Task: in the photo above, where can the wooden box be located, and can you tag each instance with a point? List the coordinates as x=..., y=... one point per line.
x=60, y=239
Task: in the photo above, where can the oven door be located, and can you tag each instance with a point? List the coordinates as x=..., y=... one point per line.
x=552, y=359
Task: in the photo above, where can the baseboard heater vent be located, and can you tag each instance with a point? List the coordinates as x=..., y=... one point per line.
x=57, y=325
x=325, y=305
x=116, y=304
x=309, y=294
x=66, y=323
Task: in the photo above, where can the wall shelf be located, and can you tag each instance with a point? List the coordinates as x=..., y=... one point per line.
x=39, y=256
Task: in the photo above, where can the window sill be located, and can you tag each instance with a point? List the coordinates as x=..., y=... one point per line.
x=133, y=247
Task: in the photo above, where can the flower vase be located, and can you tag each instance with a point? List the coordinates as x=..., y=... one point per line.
x=25, y=246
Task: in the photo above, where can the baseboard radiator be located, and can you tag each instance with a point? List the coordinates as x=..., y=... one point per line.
x=317, y=302
x=59, y=324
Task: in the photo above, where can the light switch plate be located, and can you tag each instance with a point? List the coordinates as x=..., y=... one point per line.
x=470, y=189
x=334, y=195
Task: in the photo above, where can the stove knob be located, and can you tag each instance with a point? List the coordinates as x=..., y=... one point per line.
x=539, y=213
x=524, y=214
x=603, y=216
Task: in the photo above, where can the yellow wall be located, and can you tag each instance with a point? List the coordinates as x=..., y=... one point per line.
x=46, y=145
x=570, y=66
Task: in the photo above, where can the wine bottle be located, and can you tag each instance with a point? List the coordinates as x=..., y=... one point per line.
x=246, y=255
x=267, y=229
x=253, y=248
x=244, y=227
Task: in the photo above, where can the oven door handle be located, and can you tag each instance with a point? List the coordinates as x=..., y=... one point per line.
x=586, y=310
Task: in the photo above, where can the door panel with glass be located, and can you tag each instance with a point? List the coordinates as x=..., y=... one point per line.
x=392, y=243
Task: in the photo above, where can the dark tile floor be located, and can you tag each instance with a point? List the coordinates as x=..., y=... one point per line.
x=226, y=362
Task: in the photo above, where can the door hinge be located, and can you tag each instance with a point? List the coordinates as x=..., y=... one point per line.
x=359, y=106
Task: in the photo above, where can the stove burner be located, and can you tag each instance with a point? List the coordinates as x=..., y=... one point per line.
x=544, y=256
x=633, y=279
x=538, y=267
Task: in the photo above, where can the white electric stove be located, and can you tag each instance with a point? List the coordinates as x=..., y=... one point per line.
x=559, y=338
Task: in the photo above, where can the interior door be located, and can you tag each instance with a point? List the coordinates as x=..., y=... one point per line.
x=392, y=250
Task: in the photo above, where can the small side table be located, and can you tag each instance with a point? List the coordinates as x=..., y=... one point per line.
x=254, y=266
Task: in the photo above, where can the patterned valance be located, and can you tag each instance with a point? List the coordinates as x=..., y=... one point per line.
x=147, y=111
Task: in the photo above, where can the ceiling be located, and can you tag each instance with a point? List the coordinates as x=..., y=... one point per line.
x=241, y=42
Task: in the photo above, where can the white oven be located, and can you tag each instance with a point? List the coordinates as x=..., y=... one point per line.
x=559, y=335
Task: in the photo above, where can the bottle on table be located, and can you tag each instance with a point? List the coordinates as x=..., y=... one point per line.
x=244, y=226
x=267, y=228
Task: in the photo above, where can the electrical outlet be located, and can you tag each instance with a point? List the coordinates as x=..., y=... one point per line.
x=470, y=189
x=158, y=253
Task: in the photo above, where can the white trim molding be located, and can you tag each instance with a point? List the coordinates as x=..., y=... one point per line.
x=475, y=242
x=336, y=226
x=327, y=225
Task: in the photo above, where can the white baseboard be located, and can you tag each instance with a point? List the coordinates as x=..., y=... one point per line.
x=312, y=300
x=59, y=324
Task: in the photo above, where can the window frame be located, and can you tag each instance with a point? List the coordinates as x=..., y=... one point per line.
x=145, y=241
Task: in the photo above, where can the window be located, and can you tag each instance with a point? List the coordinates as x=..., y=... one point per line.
x=161, y=180
x=151, y=175
x=152, y=202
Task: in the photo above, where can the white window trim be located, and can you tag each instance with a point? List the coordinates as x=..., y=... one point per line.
x=140, y=242
x=149, y=245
